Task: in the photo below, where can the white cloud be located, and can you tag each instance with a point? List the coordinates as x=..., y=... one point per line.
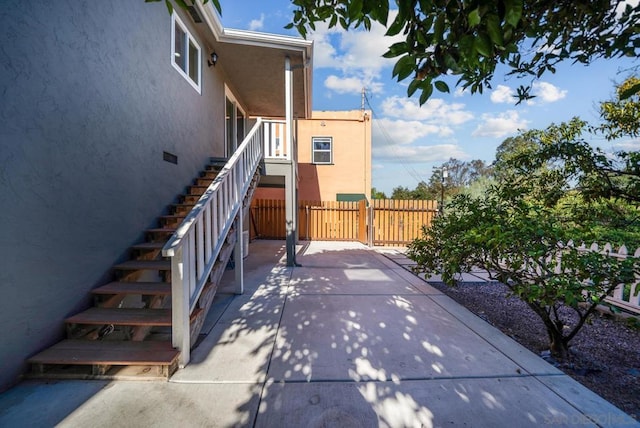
x=351, y=85
x=502, y=94
x=622, y=5
x=460, y=91
x=355, y=49
x=357, y=54
x=545, y=92
x=419, y=154
x=324, y=54
x=435, y=110
x=501, y=125
x=548, y=93
x=400, y=135
x=388, y=132
x=257, y=24
x=628, y=146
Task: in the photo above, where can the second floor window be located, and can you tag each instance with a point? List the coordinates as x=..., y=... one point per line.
x=322, y=150
x=185, y=52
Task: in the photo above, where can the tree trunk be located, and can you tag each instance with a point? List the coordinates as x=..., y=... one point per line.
x=558, y=346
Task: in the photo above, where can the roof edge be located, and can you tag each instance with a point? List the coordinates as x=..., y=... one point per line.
x=267, y=40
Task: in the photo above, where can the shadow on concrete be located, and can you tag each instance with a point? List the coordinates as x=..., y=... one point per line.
x=349, y=338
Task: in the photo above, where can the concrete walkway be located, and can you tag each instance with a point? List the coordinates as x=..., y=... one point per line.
x=349, y=339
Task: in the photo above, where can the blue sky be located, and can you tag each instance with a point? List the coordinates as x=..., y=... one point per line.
x=408, y=140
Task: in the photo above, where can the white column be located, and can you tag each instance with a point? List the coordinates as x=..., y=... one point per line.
x=288, y=105
x=290, y=185
x=238, y=255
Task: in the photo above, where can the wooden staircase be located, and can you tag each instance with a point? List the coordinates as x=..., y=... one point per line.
x=127, y=334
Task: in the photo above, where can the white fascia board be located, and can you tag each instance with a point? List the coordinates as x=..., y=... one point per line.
x=267, y=40
x=252, y=38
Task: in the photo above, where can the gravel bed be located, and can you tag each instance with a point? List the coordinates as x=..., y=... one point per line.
x=605, y=354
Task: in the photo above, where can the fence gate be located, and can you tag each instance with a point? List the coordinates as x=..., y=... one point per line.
x=398, y=222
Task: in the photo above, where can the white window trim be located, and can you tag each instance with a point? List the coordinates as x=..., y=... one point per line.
x=314, y=151
x=175, y=19
x=228, y=94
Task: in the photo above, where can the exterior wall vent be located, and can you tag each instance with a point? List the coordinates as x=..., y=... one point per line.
x=170, y=157
x=191, y=8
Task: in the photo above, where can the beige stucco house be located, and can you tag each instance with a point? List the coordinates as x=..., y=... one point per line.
x=334, y=158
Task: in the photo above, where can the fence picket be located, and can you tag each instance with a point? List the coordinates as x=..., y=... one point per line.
x=623, y=296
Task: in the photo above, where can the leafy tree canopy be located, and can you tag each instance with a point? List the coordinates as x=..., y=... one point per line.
x=460, y=175
x=470, y=38
x=551, y=187
x=377, y=194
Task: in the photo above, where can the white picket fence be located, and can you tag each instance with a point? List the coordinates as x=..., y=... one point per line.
x=624, y=296
x=629, y=300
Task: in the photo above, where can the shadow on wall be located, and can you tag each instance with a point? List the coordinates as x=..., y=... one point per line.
x=308, y=186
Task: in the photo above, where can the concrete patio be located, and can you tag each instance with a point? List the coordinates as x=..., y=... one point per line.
x=349, y=339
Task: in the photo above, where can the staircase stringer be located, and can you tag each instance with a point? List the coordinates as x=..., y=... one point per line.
x=195, y=247
x=206, y=297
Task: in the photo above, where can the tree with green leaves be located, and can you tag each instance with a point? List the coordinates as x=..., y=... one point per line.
x=622, y=115
x=469, y=39
x=552, y=188
x=377, y=194
x=401, y=192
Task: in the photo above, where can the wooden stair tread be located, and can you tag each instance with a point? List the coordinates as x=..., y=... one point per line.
x=145, y=288
x=148, y=246
x=123, y=316
x=204, y=181
x=173, y=217
x=144, y=264
x=80, y=352
x=162, y=230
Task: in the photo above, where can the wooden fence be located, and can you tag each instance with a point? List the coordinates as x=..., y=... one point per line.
x=398, y=222
x=383, y=222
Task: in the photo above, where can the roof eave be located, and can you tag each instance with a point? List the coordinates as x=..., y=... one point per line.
x=267, y=40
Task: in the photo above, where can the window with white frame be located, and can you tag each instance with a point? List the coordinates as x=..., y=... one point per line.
x=185, y=52
x=321, y=148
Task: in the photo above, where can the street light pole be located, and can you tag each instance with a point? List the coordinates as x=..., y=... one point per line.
x=443, y=174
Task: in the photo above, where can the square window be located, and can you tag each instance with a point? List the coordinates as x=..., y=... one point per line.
x=322, y=150
x=185, y=52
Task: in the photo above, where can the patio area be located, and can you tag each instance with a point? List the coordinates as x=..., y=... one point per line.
x=349, y=338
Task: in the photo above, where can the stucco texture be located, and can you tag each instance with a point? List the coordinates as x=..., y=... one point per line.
x=89, y=103
x=350, y=169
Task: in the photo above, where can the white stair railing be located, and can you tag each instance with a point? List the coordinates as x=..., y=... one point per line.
x=277, y=144
x=196, y=244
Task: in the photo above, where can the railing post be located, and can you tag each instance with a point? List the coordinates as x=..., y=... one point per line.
x=239, y=255
x=180, y=334
x=370, y=224
x=195, y=246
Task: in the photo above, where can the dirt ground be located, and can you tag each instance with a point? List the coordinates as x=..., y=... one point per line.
x=605, y=354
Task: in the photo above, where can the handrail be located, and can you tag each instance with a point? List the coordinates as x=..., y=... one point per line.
x=195, y=245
